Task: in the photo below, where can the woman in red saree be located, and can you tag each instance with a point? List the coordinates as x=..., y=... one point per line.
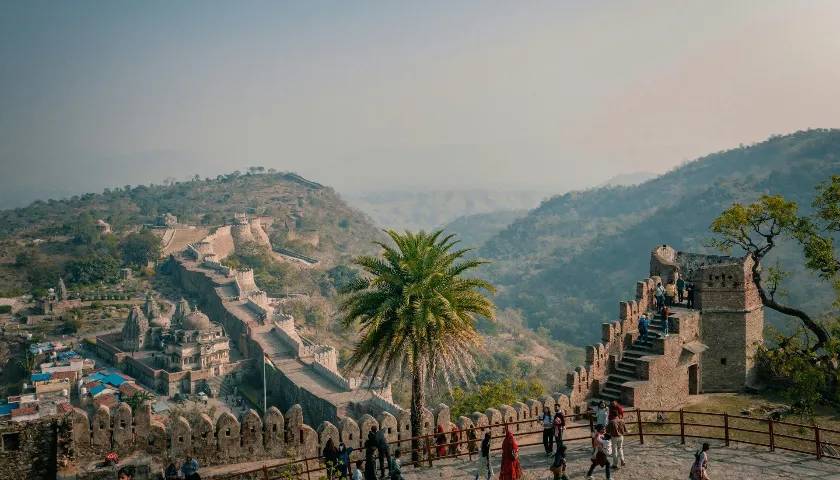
x=511, y=470
x=440, y=440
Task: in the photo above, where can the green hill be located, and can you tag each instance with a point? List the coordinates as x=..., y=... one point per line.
x=474, y=230
x=568, y=262
x=307, y=218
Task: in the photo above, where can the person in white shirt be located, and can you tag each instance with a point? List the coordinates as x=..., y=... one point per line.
x=601, y=413
x=548, y=430
x=358, y=474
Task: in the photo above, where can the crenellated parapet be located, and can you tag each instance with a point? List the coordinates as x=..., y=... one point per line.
x=586, y=380
x=228, y=439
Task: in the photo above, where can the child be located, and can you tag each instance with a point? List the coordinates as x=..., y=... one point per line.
x=394, y=466
x=357, y=474
x=558, y=467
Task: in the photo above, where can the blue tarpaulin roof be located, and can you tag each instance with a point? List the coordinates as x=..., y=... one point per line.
x=41, y=377
x=67, y=355
x=95, y=376
x=114, y=379
x=7, y=408
x=97, y=389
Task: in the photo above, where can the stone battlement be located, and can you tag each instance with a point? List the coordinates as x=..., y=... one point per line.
x=298, y=368
x=228, y=439
x=710, y=348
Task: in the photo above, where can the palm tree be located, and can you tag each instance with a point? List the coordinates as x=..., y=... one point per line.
x=417, y=314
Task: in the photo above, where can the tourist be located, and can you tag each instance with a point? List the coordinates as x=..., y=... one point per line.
x=558, y=466
x=680, y=289
x=394, y=467
x=599, y=457
x=511, y=469
x=485, y=468
x=370, y=449
x=699, y=470
x=559, y=423
x=616, y=430
x=453, y=441
x=471, y=438
x=344, y=460
x=666, y=322
x=616, y=410
x=190, y=469
x=689, y=294
x=440, y=441
x=126, y=473
x=171, y=472
x=548, y=430
x=670, y=293
x=659, y=295
x=643, y=326
x=383, y=450
x=330, y=455
x=357, y=474
x=601, y=413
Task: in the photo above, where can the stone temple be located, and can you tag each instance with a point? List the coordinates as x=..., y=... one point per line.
x=184, y=353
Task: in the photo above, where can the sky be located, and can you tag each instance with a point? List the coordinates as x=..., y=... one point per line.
x=368, y=96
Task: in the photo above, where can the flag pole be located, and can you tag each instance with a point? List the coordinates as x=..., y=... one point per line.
x=265, y=406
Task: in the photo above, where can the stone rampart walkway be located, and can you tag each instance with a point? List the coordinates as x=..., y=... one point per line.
x=659, y=459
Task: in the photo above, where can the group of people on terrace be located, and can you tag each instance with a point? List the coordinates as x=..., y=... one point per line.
x=674, y=293
x=607, y=450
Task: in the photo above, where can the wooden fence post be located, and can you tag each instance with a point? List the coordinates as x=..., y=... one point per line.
x=429, y=450
x=639, y=424
x=772, y=439
x=682, y=428
x=817, y=440
x=265, y=473
x=726, y=428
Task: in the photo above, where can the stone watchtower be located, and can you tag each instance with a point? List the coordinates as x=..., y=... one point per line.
x=732, y=316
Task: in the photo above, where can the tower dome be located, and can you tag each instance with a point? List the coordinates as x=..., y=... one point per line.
x=196, y=321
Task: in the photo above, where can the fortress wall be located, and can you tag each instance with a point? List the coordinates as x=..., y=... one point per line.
x=281, y=389
x=586, y=380
x=228, y=439
x=666, y=376
x=221, y=241
x=258, y=233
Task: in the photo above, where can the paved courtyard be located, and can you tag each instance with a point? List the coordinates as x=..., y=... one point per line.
x=661, y=459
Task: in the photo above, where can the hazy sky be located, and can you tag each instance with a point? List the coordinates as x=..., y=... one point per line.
x=381, y=95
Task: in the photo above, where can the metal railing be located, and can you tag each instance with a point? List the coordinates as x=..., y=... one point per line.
x=774, y=434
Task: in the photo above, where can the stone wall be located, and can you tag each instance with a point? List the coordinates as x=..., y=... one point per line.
x=33, y=450
x=586, y=380
x=227, y=439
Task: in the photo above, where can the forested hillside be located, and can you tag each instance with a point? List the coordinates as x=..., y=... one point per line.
x=568, y=262
x=39, y=242
x=417, y=210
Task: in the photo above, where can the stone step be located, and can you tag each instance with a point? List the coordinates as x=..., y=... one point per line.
x=610, y=391
x=622, y=377
x=625, y=370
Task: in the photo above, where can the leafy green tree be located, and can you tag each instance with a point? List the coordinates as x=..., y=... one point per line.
x=138, y=399
x=506, y=391
x=92, y=269
x=138, y=249
x=758, y=228
x=417, y=313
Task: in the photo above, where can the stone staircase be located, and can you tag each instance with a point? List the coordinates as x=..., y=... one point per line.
x=625, y=370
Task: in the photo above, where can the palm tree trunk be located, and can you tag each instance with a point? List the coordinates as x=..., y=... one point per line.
x=418, y=402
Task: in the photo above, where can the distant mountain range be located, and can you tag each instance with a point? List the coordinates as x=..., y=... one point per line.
x=431, y=209
x=567, y=263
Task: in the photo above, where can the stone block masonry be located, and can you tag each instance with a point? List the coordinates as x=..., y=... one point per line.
x=711, y=349
x=297, y=372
